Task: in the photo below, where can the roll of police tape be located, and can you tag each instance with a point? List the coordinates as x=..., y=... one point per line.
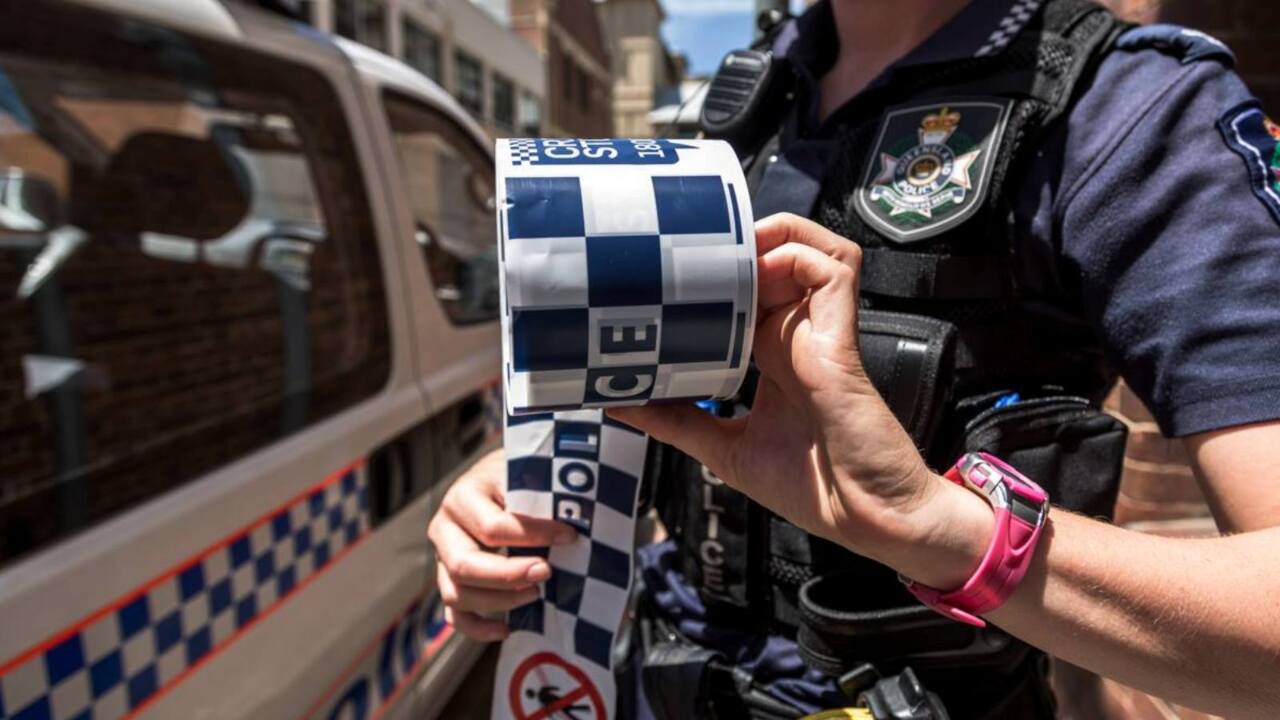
x=628, y=271
x=628, y=277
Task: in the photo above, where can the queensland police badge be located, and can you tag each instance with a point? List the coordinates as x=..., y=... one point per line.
x=930, y=167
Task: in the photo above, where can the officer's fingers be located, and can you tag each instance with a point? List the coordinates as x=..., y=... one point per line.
x=833, y=286
x=476, y=627
x=803, y=266
x=782, y=228
x=486, y=474
x=481, y=600
x=468, y=564
x=484, y=519
x=705, y=437
x=774, y=294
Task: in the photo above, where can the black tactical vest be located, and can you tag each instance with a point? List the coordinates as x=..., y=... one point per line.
x=966, y=356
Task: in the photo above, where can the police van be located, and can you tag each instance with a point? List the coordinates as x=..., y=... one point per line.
x=248, y=337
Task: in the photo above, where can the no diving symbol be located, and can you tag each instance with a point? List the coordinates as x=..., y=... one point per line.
x=547, y=687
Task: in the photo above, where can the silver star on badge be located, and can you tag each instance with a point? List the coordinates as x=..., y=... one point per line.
x=960, y=172
x=888, y=166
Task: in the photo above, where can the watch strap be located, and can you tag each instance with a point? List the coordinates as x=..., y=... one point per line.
x=1019, y=507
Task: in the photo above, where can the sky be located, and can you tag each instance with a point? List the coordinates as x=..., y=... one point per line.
x=707, y=29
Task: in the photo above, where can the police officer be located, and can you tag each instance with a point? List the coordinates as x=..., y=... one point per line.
x=1015, y=201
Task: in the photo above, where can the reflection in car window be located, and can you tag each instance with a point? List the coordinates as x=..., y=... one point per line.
x=449, y=181
x=187, y=265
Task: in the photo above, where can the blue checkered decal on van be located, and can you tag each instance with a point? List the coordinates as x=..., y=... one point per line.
x=114, y=662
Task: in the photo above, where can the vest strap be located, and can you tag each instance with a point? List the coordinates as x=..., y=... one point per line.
x=899, y=274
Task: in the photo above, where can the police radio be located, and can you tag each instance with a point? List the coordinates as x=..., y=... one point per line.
x=746, y=100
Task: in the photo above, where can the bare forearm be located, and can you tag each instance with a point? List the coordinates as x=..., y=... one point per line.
x=1191, y=620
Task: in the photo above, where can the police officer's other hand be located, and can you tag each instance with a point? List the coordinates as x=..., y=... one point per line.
x=820, y=447
x=473, y=578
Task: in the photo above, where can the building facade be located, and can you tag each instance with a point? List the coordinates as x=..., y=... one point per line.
x=466, y=46
x=646, y=74
x=579, y=84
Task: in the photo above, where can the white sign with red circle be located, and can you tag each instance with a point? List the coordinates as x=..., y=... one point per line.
x=537, y=681
x=545, y=686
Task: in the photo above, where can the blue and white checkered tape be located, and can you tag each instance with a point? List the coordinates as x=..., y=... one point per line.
x=584, y=470
x=117, y=660
x=628, y=277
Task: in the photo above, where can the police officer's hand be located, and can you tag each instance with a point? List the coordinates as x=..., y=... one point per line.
x=473, y=578
x=820, y=447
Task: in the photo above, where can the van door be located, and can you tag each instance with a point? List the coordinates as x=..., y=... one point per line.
x=442, y=193
x=197, y=363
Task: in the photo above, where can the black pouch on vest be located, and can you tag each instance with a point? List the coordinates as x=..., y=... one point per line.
x=1072, y=450
x=910, y=359
x=1064, y=444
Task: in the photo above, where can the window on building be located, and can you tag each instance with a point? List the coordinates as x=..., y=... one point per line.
x=568, y=78
x=530, y=115
x=584, y=90
x=469, y=83
x=364, y=21
x=182, y=281
x=504, y=104
x=422, y=50
x=306, y=11
x=450, y=181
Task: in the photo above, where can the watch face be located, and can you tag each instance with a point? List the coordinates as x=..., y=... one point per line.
x=1025, y=509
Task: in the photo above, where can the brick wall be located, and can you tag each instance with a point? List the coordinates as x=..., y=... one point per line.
x=567, y=109
x=571, y=22
x=1158, y=485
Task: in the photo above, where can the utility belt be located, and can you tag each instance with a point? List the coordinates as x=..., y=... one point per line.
x=682, y=680
x=752, y=568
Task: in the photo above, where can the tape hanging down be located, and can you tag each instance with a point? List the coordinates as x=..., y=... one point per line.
x=628, y=277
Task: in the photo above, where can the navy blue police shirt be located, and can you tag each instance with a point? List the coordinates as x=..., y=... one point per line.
x=1153, y=210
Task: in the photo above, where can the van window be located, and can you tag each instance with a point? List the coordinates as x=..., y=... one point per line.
x=449, y=180
x=188, y=269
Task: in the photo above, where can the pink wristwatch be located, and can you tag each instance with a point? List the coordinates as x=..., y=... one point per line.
x=1020, y=508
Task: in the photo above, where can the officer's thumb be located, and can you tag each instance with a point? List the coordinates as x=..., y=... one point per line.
x=699, y=434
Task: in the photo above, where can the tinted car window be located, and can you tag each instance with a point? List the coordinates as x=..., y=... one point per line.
x=188, y=270
x=449, y=181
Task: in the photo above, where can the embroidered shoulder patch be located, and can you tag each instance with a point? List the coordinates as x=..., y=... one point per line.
x=1254, y=137
x=930, y=167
